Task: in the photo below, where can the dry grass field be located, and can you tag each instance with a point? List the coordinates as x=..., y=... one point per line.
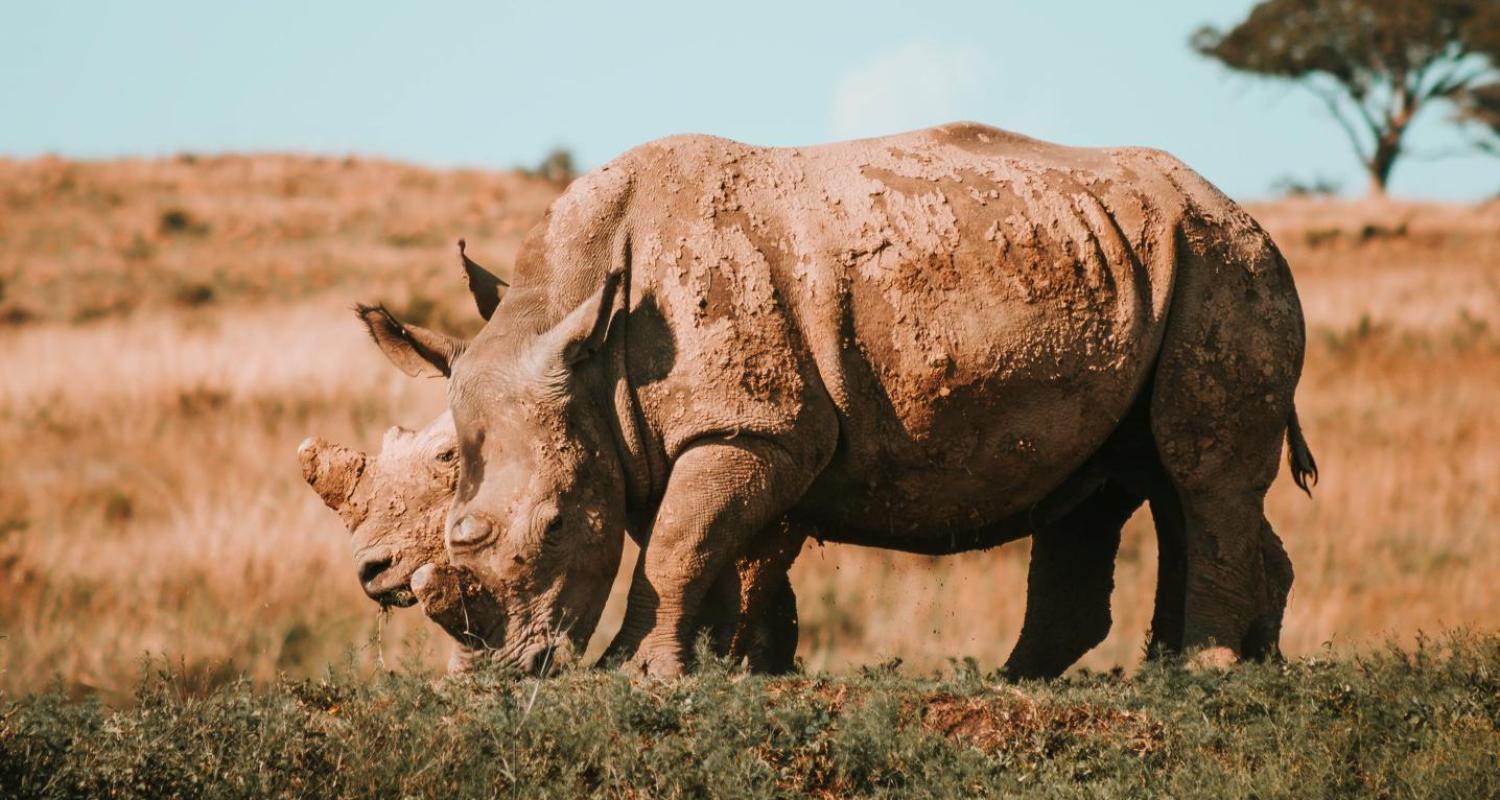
x=171, y=329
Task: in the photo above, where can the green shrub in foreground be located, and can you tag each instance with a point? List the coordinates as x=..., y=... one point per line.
x=1401, y=724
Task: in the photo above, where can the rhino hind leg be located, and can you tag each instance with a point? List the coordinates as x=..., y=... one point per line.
x=767, y=633
x=1221, y=401
x=772, y=646
x=1069, y=584
x=1264, y=637
x=1171, y=574
x=1167, y=622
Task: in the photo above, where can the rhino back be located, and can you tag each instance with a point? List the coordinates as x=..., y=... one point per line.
x=981, y=308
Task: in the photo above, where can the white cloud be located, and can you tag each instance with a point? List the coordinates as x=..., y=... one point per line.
x=914, y=86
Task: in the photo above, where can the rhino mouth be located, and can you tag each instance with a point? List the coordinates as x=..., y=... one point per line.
x=399, y=597
x=454, y=599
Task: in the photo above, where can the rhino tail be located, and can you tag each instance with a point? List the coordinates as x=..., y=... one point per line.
x=1304, y=468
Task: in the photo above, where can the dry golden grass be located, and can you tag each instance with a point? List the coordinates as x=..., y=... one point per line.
x=160, y=369
x=83, y=241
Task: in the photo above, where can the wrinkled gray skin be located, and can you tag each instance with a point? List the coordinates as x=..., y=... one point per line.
x=931, y=342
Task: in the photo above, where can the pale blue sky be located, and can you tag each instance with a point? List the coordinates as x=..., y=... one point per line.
x=498, y=84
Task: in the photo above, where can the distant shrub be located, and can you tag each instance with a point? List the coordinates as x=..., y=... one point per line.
x=1292, y=186
x=1368, y=232
x=201, y=400
x=1371, y=230
x=104, y=309
x=558, y=167
x=119, y=507
x=418, y=309
x=1318, y=237
x=179, y=222
x=1361, y=333
x=413, y=237
x=194, y=295
x=15, y=314
x=137, y=249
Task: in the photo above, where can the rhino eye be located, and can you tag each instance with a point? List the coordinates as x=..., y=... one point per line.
x=447, y=456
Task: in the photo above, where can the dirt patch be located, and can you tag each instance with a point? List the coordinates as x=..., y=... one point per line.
x=1014, y=721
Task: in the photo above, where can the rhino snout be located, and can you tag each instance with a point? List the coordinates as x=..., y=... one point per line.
x=381, y=582
x=371, y=569
x=454, y=598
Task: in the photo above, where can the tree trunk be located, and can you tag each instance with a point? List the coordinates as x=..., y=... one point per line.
x=1381, y=163
x=1388, y=141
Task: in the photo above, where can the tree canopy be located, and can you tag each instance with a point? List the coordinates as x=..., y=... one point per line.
x=1375, y=63
x=1481, y=106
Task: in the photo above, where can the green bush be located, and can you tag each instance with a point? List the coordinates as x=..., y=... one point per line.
x=1423, y=723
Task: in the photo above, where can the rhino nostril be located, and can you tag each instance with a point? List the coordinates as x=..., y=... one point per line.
x=370, y=570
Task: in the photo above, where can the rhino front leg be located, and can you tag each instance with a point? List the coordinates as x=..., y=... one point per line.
x=750, y=612
x=721, y=496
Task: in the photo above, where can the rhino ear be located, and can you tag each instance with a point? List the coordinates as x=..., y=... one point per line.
x=483, y=284
x=414, y=350
x=584, y=330
x=331, y=470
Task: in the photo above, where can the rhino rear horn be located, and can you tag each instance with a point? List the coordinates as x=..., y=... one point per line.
x=331, y=470
x=483, y=284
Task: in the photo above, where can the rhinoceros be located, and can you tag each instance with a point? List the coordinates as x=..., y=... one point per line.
x=933, y=342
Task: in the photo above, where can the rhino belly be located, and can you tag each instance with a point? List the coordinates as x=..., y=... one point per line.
x=986, y=458
x=960, y=410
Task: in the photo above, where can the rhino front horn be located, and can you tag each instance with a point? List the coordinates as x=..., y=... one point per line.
x=331, y=470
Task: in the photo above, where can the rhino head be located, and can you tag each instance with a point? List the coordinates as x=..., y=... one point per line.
x=537, y=524
x=394, y=505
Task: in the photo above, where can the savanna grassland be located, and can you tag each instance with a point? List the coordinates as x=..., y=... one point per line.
x=1419, y=722
x=171, y=329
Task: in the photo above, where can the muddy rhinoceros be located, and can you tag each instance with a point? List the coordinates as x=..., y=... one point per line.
x=933, y=342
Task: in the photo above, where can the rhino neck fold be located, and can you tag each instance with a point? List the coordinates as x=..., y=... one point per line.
x=642, y=459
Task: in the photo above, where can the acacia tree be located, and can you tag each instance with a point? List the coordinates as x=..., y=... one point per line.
x=1375, y=64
